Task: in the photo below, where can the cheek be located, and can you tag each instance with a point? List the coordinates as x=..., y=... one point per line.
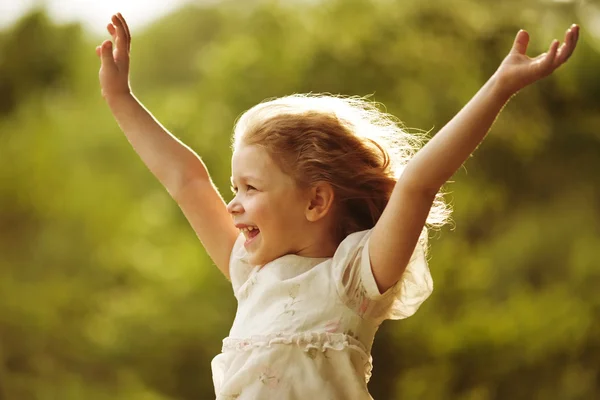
x=289, y=218
x=258, y=208
x=273, y=216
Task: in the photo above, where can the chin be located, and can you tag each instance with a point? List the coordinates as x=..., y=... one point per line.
x=259, y=258
x=254, y=257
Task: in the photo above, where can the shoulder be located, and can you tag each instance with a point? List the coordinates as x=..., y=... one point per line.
x=352, y=242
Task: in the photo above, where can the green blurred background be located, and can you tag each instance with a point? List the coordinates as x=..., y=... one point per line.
x=106, y=293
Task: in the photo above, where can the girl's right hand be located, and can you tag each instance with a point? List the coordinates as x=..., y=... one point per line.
x=114, y=71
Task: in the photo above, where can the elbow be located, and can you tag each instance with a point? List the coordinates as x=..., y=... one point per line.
x=181, y=180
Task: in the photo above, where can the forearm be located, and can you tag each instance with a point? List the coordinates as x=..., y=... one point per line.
x=443, y=155
x=171, y=161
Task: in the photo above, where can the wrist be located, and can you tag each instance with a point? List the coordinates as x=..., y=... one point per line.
x=501, y=87
x=117, y=98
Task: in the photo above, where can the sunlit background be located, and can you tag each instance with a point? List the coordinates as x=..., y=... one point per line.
x=105, y=291
x=93, y=15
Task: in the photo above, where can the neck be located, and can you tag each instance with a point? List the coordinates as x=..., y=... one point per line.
x=319, y=244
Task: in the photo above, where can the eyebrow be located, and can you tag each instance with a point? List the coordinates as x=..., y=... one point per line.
x=245, y=178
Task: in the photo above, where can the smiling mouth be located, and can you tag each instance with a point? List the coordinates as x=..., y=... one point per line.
x=250, y=236
x=250, y=232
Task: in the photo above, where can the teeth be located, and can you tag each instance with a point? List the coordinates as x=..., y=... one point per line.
x=247, y=230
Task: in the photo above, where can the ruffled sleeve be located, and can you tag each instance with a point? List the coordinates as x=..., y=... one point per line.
x=239, y=268
x=357, y=287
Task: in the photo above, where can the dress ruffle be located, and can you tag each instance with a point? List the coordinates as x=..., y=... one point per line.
x=307, y=341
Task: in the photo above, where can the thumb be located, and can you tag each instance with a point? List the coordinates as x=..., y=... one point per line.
x=521, y=42
x=106, y=54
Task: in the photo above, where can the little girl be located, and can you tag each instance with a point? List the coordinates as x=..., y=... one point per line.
x=325, y=237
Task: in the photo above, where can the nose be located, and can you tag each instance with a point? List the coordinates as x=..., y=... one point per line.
x=234, y=206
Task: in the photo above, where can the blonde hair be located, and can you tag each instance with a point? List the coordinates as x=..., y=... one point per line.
x=345, y=141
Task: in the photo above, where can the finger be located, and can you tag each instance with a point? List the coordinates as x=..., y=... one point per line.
x=122, y=52
x=521, y=42
x=547, y=63
x=121, y=34
x=568, y=47
x=98, y=51
x=106, y=54
x=573, y=40
x=112, y=30
x=126, y=30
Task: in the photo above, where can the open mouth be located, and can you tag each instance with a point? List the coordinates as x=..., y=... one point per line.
x=250, y=233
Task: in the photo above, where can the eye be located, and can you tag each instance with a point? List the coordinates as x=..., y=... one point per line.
x=233, y=189
x=250, y=187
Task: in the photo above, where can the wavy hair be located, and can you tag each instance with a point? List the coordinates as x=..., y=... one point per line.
x=348, y=142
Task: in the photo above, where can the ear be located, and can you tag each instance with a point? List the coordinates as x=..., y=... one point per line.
x=320, y=201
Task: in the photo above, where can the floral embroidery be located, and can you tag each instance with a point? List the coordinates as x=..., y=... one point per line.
x=360, y=301
x=268, y=377
x=333, y=326
x=363, y=306
x=288, y=308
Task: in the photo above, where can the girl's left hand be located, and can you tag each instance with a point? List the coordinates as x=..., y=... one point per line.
x=518, y=70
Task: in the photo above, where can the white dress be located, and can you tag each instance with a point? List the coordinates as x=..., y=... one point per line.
x=304, y=326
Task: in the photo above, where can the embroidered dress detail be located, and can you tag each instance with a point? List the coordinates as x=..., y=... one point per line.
x=306, y=341
x=304, y=327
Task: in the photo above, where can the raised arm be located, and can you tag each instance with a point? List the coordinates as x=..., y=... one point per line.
x=174, y=164
x=395, y=235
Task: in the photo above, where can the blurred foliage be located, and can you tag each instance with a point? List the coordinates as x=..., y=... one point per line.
x=105, y=292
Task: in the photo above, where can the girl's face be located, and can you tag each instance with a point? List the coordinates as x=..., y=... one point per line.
x=269, y=201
